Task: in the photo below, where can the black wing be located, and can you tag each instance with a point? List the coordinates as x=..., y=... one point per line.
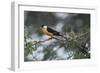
x=53, y=31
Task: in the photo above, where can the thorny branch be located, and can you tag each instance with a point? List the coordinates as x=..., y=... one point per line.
x=70, y=38
x=64, y=41
x=37, y=42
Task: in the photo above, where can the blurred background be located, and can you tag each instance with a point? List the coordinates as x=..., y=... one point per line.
x=74, y=26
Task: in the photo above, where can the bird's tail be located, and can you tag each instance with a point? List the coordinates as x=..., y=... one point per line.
x=62, y=36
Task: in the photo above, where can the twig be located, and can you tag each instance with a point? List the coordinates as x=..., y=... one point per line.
x=81, y=35
x=35, y=42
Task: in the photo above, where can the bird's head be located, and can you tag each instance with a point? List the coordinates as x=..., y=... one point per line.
x=43, y=26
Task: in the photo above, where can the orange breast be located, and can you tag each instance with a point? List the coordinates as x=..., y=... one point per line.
x=46, y=32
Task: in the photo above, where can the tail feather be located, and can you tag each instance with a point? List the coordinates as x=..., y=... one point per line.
x=58, y=34
x=63, y=36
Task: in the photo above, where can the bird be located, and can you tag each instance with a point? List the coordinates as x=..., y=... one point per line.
x=49, y=31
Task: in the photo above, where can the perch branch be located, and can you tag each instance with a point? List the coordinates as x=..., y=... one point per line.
x=37, y=42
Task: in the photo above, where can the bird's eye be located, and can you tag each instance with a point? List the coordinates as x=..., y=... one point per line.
x=42, y=25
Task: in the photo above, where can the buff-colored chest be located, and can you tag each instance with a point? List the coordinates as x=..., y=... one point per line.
x=44, y=30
